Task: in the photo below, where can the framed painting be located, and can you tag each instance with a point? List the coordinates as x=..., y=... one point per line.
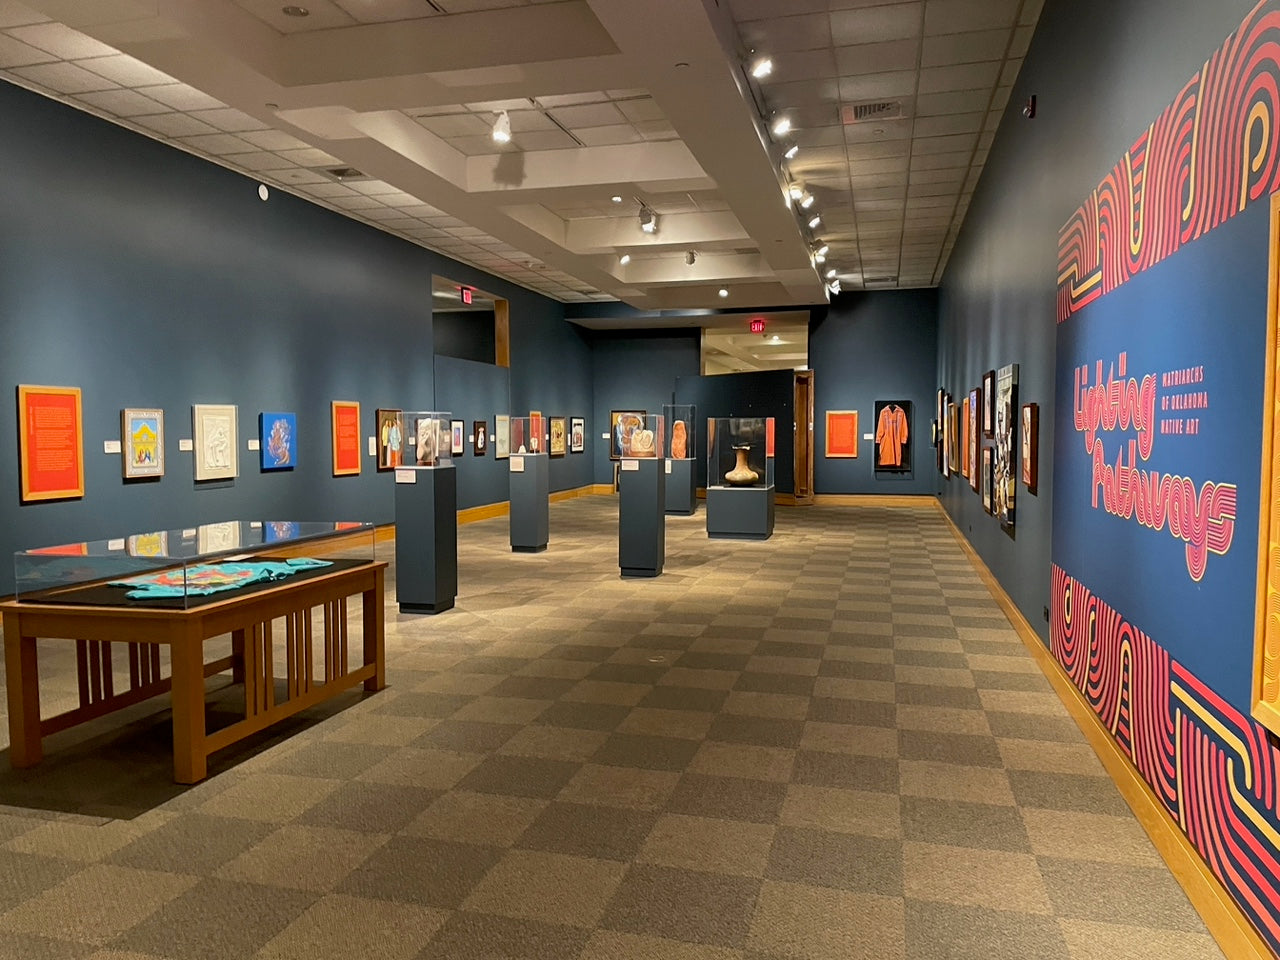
x=1005, y=490
x=50, y=443
x=457, y=437
x=345, y=429
x=621, y=423
x=1030, y=446
x=987, y=464
x=501, y=436
x=278, y=440
x=390, y=438
x=577, y=434
x=141, y=443
x=480, y=438
x=842, y=434
x=988, y=403
x=940, y=412
x=963, y=453
x=953, y=438
x=215, y=432
x=558, y=445
x=975, y=439
x=537, y=431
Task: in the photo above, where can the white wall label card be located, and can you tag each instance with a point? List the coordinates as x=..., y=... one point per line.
x=868, y=436
x=604, y=436
x=406, y=475
x=115, y=544
x=185, y=445
x=110, y=446
x=630, y=465
x=189, y=533
x=373, y=446
x=255, y=444
x=668, y=466
x=255, y=524
x=517, y=464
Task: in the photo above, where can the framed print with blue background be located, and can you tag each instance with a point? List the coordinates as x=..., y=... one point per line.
x=278, y=440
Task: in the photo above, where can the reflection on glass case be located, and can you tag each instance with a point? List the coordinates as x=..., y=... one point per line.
x=641, y=436
x=740, y=451
x=680, y=430
x=428, y=438
x=178, y=569
x=528, y=435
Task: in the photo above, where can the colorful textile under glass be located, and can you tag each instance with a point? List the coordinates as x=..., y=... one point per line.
x=206, y=578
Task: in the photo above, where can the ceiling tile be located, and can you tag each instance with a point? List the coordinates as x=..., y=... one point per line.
x=217, y=143
x=640, y=109
x=969, y=76
x=458, y=125
x=310, y=157
x=895, y=21
x=569, y=99
x=297, y=175
x=608, y=136
x=373, y=188
x=357, y=202
x=126, y=71
x=957, y=16
x=546, y=140
x=258, y=160
x=800, y=92
x=971, y=47
x=587, y=115
x=179, y=96
x=1031, y=12
x=814, y=65
x=952, y=144
x=13, y=14
x=878, y=148
x=936, y=161
x=437, y=110
x=878, y=86
x=64, y=77
x=780, y=35
x=656, y=130
x=527, y=121
x=14, y=53
x=944, y=126
x=819, y=136
x=481, y=145
x=877, y=57
x=952, y=175
x=879, y=130
x=475, y=6
x=376, y=11
x=274, y=140
x=959, y=101
x=1009, y=73
x=229, y=120
x=122, y=103
x=61, y=41
x=497, y=106
x=1021, y=42
x=324, y=14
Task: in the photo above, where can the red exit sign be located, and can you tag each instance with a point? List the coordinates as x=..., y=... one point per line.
x=757, y=326
x=466, y=295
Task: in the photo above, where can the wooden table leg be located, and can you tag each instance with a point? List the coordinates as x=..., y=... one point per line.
x=22, y=679
x=375, y=634
x=237, y=655
x=186, y=659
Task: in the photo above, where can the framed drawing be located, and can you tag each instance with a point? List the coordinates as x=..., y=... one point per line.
x=987, y=464
x=390, y=438
x=988, y=403
x=501, y=436
x=893, y=436
x=953, y=438
x=1005, y=488
x=1030, y=445
x=621, y=423
x=480, y=438
x=537, y=431
x=278, y=440
x=141, y=443
x=50, y=443
x=457, y=437
x=842, y=433
x=216, y=435
x=975, y=438
x=577, y=434
x=345, y=429
x=559, y=442
x=963, y=453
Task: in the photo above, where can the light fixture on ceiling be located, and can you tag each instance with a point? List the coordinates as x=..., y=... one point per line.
x=792, y=151
x=648, y=220
x=723, y=293
x=691, y=257
x=781, y=125
x=616, y=199
x=806, y=201
x=831, y=274
x=761, y=67
x=823, y=250
x=834, y=286
x=624, y=259
x=502, y=128
x=295, y=11
x=775, y=339
x=795, y=191
x=819, y=258
x=814, y=221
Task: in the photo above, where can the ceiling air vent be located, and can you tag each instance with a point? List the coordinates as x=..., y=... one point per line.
x=871, y=110
x=345, y=174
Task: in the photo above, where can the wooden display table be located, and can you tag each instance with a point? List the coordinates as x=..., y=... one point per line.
x=247, y=616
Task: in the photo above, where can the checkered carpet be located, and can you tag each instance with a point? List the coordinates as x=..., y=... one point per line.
x=831, y=745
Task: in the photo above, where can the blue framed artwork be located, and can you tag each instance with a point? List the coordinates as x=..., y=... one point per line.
x=278, y=439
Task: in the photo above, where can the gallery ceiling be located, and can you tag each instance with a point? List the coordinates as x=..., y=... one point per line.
x=384, y=110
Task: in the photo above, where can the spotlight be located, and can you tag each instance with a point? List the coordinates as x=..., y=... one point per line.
x=831, y=274
x=691, y=257
x=792, y=151
x=806, y=201
x=814, y=221
x=819, y=258
x=502, y=128
x=616, y=199
x=723, y=293
x=648, y=220
x=795, y=192
x=624, y=259
x=823, y=250
x=834, y=286
x=761, y=67
x=781, y=126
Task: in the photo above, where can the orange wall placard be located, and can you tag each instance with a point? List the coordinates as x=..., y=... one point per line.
x=842, y=433
x=346, y=438
x=51, y=443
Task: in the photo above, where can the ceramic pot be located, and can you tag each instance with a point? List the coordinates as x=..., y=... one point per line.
x=741, y=475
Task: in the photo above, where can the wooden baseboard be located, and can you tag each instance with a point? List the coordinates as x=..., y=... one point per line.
x=922, y=501
x=1225, y=921
x=486, y=511
x=590, y=490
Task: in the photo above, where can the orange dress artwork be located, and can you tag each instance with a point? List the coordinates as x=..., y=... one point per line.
x=891, y=435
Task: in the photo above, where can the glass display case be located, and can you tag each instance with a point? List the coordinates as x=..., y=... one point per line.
x=640, y=436
x=178, y=569
x=428, y=438
x=528, y=435
x=740, y=452
x=681, y=441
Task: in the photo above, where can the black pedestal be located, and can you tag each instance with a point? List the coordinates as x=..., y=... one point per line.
x=427, y=541
x=530, y=493
x=740, y=513
x=642, y=528
x=682, y=488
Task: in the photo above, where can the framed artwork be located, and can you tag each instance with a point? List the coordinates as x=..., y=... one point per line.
x=953, y=438
x=577, y=434
x=537, y=430
x=429, y=440
x=940, y=414
x=480, y=438
x=893, y=436
x=501, y=436
x=278, y=440
x=987, y=464
x=621, y=424
x=390, y=438
x=963, y=452
x=457, y=437
x=842, y=433
x=141, y=443
x=216, y=435
x=1030, y=445
x=975, y=438
x=1005, y=489
x=213, y=537
x=988, y=403
x=50, y=443
x=345, y=429
x=559, y=443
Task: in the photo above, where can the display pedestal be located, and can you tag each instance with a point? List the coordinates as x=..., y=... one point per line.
x=682, y=488
x=642, y=529
x=530, y=496
x=740, y=513
x=427, y=541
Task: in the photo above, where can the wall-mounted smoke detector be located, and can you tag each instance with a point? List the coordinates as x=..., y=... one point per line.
x=870, y=110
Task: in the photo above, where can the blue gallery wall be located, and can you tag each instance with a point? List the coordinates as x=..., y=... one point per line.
x=148, y=277
x=472, y=391
x=634, y=370
x=864, y=347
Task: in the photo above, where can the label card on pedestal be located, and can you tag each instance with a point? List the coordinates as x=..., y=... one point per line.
x=668, y=466
x=407, y=475
x=517, y=464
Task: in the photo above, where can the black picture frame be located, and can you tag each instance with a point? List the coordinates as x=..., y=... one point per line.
x=893, y=450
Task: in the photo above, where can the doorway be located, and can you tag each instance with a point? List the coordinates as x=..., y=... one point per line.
x=804, y=437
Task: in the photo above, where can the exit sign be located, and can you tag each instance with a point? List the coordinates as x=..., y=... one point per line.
x=466, y=295
x=757, y=326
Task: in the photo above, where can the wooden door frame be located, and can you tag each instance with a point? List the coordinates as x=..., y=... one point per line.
x=803, y=471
